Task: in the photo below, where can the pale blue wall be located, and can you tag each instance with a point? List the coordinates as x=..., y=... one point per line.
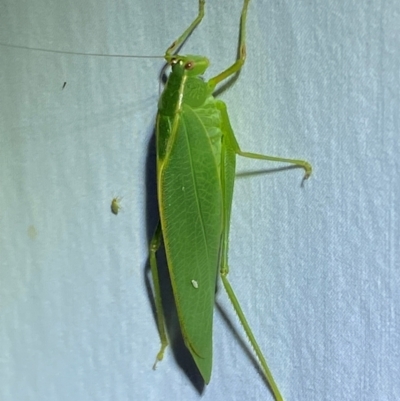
x=317, y=268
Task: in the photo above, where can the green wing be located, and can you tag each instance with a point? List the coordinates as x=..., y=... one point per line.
x=190, y=201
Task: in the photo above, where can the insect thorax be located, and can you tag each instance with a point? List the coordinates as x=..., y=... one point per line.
x=182, y=88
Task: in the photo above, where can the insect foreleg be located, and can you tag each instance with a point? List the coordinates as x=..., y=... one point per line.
x=178, y=42
x=237, y=65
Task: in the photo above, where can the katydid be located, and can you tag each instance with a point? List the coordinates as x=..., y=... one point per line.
x=196, y=150
x=196, y=162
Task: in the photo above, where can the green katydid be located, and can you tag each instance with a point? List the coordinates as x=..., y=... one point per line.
x=196, y=156
x=196, y=159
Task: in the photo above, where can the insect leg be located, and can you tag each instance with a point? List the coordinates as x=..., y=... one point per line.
x=249, y=333
x=153, y=248
x=178, y=42
x=229, y=150
x=237, y=65
x=300, y=163
x=233, y=144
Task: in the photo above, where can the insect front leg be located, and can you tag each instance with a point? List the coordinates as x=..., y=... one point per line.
x=237, y=65
x=178, y=42
x=153, y=248
x=233, y=69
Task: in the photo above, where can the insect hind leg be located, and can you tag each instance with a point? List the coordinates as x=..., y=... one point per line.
x=153, y=248
x=249, y=333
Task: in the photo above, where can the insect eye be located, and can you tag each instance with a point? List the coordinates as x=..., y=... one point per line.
x=189, y=65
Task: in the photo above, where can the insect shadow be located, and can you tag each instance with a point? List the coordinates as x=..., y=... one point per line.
x=179, y=350
x=241, y=341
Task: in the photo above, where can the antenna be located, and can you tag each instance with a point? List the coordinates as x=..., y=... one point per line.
x=75, y=53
